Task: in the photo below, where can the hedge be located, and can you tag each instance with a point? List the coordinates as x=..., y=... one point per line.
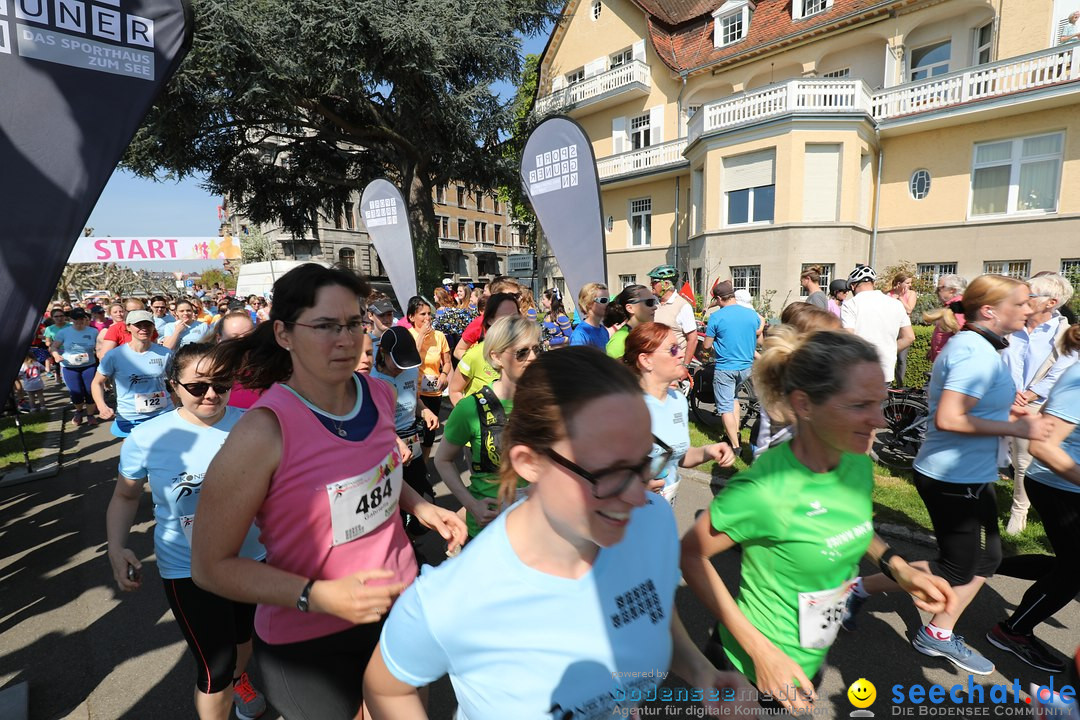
x=917, y=363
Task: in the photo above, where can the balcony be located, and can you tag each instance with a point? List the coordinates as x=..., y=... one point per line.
x=615, y=85
x=651, y=159
x=484, y=246
x=449, y=244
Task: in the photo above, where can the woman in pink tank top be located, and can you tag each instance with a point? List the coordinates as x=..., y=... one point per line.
x=316, y=465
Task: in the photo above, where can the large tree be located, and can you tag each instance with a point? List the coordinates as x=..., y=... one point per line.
x=287, y=106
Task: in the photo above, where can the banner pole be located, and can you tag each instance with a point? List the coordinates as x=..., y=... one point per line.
x=18, y=427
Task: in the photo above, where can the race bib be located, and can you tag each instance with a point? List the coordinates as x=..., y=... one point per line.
x=361, y=504
x=149, y=402
x=429, y=384
x=77, y=358
x=414, y=446
x=668, y=492
x=187, y=522
x=820, y=614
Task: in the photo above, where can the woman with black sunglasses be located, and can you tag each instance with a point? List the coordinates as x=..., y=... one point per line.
x=171, y=452
x=635, y=305
x=582, y=612
x=654, y=355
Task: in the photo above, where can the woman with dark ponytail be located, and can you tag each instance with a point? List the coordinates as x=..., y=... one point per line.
x=635, y=305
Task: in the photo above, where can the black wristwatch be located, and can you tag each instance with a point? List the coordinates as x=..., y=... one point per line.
x=302, y=601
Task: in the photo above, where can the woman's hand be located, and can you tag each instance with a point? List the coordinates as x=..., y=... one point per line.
x=431, y=420
x=353, y=599
x=121, y=560
x=1031, y=427
x=721, y=453
x=443, y=382
x=930, y=592
x=106, y=413
x=405, y=450
x=733, y=691
x=656, y=485
x=783, y=679
x=446, y=523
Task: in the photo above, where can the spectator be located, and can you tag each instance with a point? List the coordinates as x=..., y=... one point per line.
x=592, y=301
x=900, y=288
x=732, y=336
x=950, y=290
x=877, y=318
x=673, y=310
x=811, y=282
x=839, y=291
x=475, y=331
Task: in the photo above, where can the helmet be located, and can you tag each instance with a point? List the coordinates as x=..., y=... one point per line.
x=664, y=272
x=862, y=273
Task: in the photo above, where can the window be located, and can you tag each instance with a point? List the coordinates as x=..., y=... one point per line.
x=461, y=197
x=699, y=280
x=597, y=6
x=498, y=234
x=641, y=222
x=1071, y=268
x=691, y=110
x=575, y=76
x=625, y=280
x=919, y=184
x=841, y=73
x=639, y=132
x=930, y=60
x=479, y=202
x=806, y=8
x=1014, y=176
x=827, y=273
x=1019, y=269
x=444, y=227
x=350, y=216
x=347, y=258
x=461, y=230
x=750, y=187
x=440, y=194
x=751, y=205
x=747, y=277
x=731, y=21
x=480, y=231
x=621, y=58
x=495, y=204
x=731, y=28
x=933, y=271
x=983, y=43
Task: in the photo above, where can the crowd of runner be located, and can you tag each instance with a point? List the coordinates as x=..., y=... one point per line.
x=287, y=442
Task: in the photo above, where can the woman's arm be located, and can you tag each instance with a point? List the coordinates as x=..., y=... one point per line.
x=930, y=592
x=688, y=662
x=445, y=372
x=387, y=697
x=954, y=415
x=97, y=392
x=118, y=519
x=720, y=452
x=457, y=385
x=1050, y=453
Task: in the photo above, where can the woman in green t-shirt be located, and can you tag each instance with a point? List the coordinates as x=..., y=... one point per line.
x=635, y=305
x=510, y=345
x=473, y=371
x=803, y=516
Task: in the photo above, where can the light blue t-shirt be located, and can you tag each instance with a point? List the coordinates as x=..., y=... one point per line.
x=586, y=334
x=670, y=424
x=405, y=407
x=191, y=334
x=138, y=377
x=534, y=646
x=1064, y=403
x=161, y=322
x=971, y=366
x=734, y=332
x=173, y=455
x=77, y=346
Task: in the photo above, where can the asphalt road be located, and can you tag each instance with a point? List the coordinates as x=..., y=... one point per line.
x=88, y=652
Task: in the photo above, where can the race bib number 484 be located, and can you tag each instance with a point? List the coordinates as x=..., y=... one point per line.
x=361, y=504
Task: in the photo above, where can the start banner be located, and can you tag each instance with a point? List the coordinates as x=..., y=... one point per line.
x=148, y=249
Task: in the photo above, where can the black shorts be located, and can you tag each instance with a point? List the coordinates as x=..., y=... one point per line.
x=213, y=627
x=966, y=525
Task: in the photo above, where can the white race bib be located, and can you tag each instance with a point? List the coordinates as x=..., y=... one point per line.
x=414, y=446
x=77, y=359
x=359, y=505
x=429, y=384
x=820, y=614
x=149, y=402
x=187, y=522
x=669, y=492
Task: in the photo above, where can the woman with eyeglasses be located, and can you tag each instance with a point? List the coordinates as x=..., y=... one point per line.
x=316, y=465
x=171, y=452
x=582, y=614
x=654, y=355
x=474, y=371
x=802, y=515
x=593, y=302
x=510, y=344
x=635, y=305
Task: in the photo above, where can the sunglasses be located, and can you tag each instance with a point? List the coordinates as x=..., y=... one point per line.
x=602, y=300
x=673, y=351
x=649, y=302
x=609, y=482
x=523, y=353
x=198, y=389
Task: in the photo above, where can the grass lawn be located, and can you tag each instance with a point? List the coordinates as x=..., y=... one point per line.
x=896, y=500
x=11, y=455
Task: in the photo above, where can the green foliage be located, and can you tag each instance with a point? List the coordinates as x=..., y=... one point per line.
x=523, y=122
x=256, y=247
x=213, y=275
x=1074, y=303
x=917, y=363
x=763, y=305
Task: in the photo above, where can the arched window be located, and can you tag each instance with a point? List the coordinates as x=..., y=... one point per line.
x=347, y=258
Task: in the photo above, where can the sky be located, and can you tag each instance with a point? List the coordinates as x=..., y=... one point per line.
x=134, y=207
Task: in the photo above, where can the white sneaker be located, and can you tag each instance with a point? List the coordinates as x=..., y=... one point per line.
x=1017, y=522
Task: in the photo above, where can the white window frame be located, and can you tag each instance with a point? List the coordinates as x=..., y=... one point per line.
x=595, y=9
x=623, y=57
x=808, y=8
x=734, y=13
x=640, y=132
x=987, y=47
x=930, y=69
x=575, y=76
x=1016, y=163
x=1019, y=269
x=913, y=186
x=841, y=73
x=749, y=207
x=640, y=208
x=747, y=277
x=935, y=270
x=627, y=280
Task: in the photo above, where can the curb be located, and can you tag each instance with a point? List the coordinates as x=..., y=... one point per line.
x=48, y=465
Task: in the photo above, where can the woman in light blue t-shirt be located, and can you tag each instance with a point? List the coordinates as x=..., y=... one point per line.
x=971, y=407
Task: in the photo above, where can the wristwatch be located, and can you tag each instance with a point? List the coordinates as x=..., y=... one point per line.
x=302, y=601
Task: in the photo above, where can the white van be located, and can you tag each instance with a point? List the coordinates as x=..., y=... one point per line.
x=258, y=278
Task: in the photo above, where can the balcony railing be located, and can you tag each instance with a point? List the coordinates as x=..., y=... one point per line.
x=449, y=244
x=614, y=80
x=656, y=157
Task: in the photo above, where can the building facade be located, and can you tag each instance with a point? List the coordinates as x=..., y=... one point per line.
x=745, y=141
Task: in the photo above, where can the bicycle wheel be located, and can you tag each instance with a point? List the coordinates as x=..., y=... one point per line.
x=749, y=407
x=898, y=443
x=702, y=401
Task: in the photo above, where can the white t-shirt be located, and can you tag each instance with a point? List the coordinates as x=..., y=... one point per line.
x=877, y=318
x=527, y=645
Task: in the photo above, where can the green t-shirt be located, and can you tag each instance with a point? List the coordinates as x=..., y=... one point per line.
x=800, y=532
x=616, y=346
x=463, y=428
x=50, y=332
x=476, y=369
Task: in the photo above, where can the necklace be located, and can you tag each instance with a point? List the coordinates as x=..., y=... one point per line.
x=340, y=430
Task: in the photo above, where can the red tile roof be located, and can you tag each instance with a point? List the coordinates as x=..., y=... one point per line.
x=676, y=12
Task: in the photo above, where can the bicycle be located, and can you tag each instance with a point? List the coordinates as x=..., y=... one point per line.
x=907, y=414
x=703, y=401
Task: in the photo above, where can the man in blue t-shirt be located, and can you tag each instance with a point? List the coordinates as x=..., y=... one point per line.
x=732, y=336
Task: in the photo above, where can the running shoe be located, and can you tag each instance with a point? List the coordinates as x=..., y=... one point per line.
x=77, y=418
x=1025, y=647
x=24, y=406
x=851, y=609
x=955, y=650
x=91, y=420
x=249, y=703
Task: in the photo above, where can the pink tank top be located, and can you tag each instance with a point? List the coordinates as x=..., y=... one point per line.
x=295, y=518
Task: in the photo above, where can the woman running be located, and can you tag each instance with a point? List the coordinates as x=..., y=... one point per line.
x=802, y=515
x=435, y=365
x=511, y=344
x=654, y=355
x=581, y=613
x=185, y=329
x=473, y=371
x=172, y=452
x=315, y=464
x=634, y=306
x=971, y=396
x=138, y=369
x=73, y=348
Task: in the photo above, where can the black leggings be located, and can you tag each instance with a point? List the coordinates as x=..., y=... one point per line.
x=1060, y=513
x=966, y=524
x=319, y=679
x=213, y=626
x=434, y=404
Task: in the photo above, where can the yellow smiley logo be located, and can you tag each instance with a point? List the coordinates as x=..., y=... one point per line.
x=862, y=693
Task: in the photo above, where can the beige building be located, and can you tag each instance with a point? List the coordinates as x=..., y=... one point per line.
x=746, y=140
